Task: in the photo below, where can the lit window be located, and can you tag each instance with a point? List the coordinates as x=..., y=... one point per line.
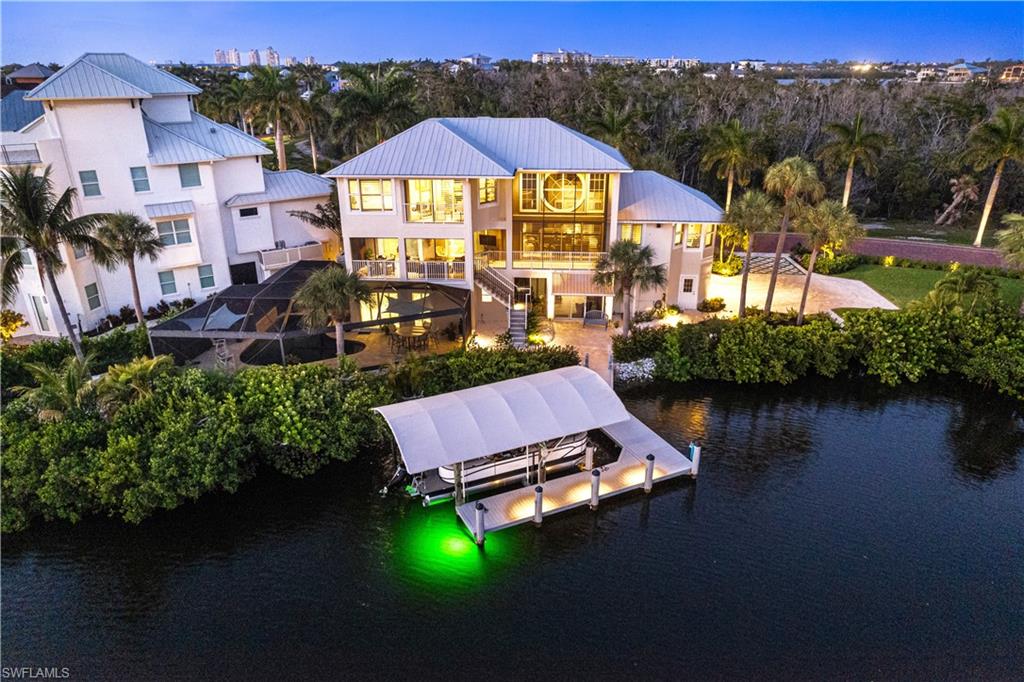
x=596, y=195
x=631, y=232
x=434, y=201
x=206, y=280
x=140, y=178
x=528, y=192
x=709, y=235
x=488, y=191
x=563, y=192
x=250, y=212
x=174, y=232
x=189, y=175
x=692, y=235
x=677, y=233
x=167, y=283
x=687, y=286
x=92, y=296
x=90, y=183
x=370, y=195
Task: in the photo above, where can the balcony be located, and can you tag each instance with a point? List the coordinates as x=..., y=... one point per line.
x=435, y=269
x=546, y=260
x=275, y=259
x=376, y=269
x=19, y=154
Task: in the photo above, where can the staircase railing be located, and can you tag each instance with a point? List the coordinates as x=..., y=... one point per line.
x=499, y=286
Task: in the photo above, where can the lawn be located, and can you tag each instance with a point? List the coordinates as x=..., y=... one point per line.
x=925, y=230
x=903, y=285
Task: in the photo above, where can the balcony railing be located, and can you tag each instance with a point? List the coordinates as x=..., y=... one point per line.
x=376, y=269
x=19, y=154
x=278, y=258
x=546, y=260
x=433, y=269
x=450, y=213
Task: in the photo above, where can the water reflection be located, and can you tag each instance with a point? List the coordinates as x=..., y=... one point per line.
x=986, y=438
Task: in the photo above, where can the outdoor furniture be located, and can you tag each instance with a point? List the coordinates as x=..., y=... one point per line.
x=595, y=317
x=413, y=338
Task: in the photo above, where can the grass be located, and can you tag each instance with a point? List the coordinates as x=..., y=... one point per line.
x=903, y=285
x=904, y=229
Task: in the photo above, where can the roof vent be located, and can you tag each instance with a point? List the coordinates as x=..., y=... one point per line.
x=213, y=130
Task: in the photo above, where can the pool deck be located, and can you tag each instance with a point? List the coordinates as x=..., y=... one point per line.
x=627, y=473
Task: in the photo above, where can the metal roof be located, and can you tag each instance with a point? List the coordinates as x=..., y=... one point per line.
x=284, y=185
x=36, y=70
x=167, y=147
x=485, y=420
x=646, y=196
x=16, y=112
x=483, y=147
x=200, y=139
x=170, y=208
x=110, y=76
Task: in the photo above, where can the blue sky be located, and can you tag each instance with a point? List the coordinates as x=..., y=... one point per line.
x=45, y=31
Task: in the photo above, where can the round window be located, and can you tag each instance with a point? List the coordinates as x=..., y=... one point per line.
x=563, y=192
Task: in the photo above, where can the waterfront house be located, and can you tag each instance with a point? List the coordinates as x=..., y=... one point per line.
x=127, y=136
x=1014, y=73
x=963, y=72
x=516, y=208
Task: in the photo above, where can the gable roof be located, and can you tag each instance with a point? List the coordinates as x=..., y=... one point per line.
x=649, y=197
x=199, y=139
x=167, y=147
x=110, y=76
x=284, y=186
x=483, y=147
x=36, y=70
x=16, y=112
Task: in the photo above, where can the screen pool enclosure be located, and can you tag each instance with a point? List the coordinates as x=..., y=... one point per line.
x=265, y=316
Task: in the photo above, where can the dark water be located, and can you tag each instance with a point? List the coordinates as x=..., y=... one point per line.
x=835, y=531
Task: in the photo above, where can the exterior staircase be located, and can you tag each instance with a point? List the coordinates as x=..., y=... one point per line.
x=515, y=299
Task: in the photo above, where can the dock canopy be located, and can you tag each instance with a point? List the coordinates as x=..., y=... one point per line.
x=475, y=422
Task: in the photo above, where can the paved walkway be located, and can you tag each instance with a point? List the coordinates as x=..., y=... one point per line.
x=826, y=293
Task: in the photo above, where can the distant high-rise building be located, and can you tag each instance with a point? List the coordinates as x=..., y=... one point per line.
x=218, y=57
x=273, y=58
x=254, y=57
x=234, y=58
x=309, y=61
x=290, y=61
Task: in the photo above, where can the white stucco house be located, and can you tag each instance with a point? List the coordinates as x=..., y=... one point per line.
x=505, y=206
x=127, y=136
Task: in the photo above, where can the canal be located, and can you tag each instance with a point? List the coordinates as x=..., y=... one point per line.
x=836, y=529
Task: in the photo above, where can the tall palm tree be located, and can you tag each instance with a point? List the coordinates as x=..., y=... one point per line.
x=753, y=212
x=1011, y=242
x=314, y=114
x=34, y=217
x=378, y=102
x=794, y=180
x=965, y=191
x=58, y=391
x=236, y=97
x=276, y=98
x=996, y=141
x=310, y=76
x=850, y=144
x=618, y=126
x=127, y=237
x=829, y=224
x=731, y=151
x=629, y=267
x=327, y=296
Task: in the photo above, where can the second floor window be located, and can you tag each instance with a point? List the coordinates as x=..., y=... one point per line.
x=90, y=183
x=167, y=283
x=188, y=173
x=370, y=195
x=434, y=201
x=631, y=232
x=140, y=179
x=488, y=191
x=92, y=296
x=174, y=232
x=251, y=212
x=692, y=235
x=206, y=280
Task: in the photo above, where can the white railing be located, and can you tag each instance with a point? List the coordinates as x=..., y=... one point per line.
x=278, y=258
x=443, y=212
x=577, y=284
x=19, y=154
x=546, y=260
x=434, y=269
x=376, y=269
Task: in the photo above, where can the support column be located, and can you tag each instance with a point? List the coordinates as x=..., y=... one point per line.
x=479, y=531
x=649, y=474
x=460, y=492
x=538, y=505
x=694, y=458
x=542, y=474
x=595, y=488
x=588, y=461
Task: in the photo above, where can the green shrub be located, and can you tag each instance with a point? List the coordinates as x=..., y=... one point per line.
x=687, y=352
x=729, y=267
x=832, y=265
x=900, y=345
x=640, y=343
x=476, y=366
x=711, y=305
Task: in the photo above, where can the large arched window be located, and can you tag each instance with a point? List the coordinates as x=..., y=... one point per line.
x=563, y=192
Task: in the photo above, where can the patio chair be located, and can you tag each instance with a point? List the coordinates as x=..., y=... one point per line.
x=595, y=317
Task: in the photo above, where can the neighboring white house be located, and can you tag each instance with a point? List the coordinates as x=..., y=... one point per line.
x=963, y=72
x=489, y=204
x=126, y=135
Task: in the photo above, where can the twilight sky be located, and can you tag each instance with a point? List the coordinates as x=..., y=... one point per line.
x=803, y=31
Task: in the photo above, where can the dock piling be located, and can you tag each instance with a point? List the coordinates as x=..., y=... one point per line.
x=649, y=474
x=478, y=531
x=542, y=474
x=588, y=461
x=538, y=505
x=595, y=488
x=694, y=458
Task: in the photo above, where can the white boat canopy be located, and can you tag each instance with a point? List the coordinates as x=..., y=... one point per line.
x=475, y=422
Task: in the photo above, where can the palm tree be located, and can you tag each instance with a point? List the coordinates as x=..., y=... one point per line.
x=1011, y=242
x=829, y=224
x=325, y=216
x=965, y=191
x=34, y=217
x=753, y=212
x=628, y=266
x=125, y=237
x=850, y=144
x=123, y=384
x=377, y=101
x=617, y=127
x=327, y=296
x=58, y=391
x=276, y=98
x=996, y=141
x=236, y=97
x=314, y=112
x=311, y=76
x=731, y=151
x=964, y=288
x=794, y=180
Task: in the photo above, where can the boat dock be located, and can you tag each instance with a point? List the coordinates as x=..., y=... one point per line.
x=586, y=488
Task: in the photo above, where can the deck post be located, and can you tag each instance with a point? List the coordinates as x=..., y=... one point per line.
x=542, y=474
x=460, y=491
x=694, y=458
x=649, y=474
x=478, y=530
x=538, y=505
x=595, y=488
x=588, y=462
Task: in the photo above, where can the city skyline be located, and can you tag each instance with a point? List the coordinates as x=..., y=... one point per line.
x=875, y=32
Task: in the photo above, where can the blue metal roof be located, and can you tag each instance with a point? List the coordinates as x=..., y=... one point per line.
x=284, y=186
x=110, y=76
x=16, y=112
x=649, y=197
x=199, y=139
